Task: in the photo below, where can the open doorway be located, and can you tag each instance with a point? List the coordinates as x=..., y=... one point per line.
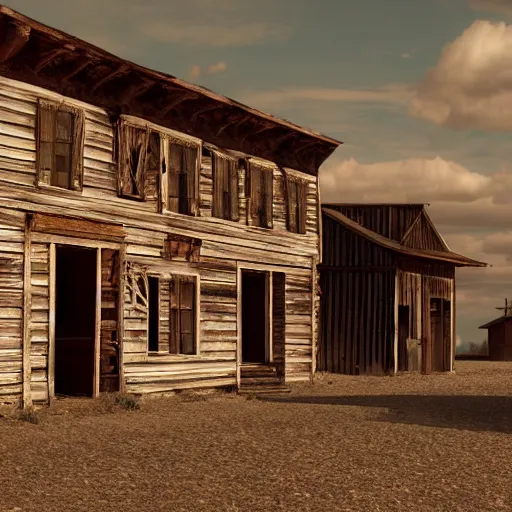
x=403, y=335
x=440, y=319
x=75, y=320
x=254, y=317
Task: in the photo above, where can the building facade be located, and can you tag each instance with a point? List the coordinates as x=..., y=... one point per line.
x=154, y=235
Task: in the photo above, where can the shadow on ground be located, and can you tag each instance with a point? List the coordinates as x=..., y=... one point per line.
x=464, y=412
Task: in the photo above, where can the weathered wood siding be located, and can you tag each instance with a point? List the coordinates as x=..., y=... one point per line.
x=11, y=305
x=357, y=282
x=225, y=244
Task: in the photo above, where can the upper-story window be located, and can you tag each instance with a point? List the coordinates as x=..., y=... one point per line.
x=260, y=190
x=182, y=172
x=225, y=187
x=60, y=143
x=296, y=200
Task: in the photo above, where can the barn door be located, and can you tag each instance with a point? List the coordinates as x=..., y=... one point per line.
x=413, y=355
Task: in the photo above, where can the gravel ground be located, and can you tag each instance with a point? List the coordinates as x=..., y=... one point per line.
x=410, y=442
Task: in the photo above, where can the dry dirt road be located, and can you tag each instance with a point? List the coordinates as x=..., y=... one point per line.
x=411, y=442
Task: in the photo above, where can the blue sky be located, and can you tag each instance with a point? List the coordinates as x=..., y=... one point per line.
x=419, y=91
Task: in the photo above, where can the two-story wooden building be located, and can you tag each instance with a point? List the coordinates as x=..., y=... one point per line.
x=388, y=290
x=154, y=235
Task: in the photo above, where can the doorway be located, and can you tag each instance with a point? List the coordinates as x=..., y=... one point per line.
x=75, y=320
x=403, y=335
x=440, y=321
x=254, y=317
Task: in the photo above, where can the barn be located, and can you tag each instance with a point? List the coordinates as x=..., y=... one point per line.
x=387, y=281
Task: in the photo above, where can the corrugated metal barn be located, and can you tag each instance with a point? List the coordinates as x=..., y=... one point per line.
x=387, y=283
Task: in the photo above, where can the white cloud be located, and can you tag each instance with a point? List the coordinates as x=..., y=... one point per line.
x=471, y=84
x=194, y=72
x=391, y=93
x=216, y=68
x=495, y=6
x=405, y=55
x=217, y=35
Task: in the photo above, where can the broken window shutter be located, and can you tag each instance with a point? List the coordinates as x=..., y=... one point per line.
x=190, y=160
x=256, y=195
x=218, y=169
x=174, y=171
x=187, y=315
x=302, y=206
x=164, y=315
x=142, y=136
x=268, y=205
x=291, y=185
x=233, y=191
x=174, y=310
x=46, y=127
x=77, y=159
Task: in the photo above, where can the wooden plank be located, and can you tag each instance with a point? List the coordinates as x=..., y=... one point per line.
x=238, y=324
x=97, y=330
x=120, y=318
x=395, y=332
x=77, y=227
x=27, y=307
x=51, y=320
x=269, y=315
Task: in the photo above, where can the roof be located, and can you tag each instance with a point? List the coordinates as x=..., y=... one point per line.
x=369, y=205
x=386, y=243
x=43, y=56
x=496, y=321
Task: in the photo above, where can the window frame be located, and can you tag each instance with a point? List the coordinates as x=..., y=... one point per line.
x=44, y=177
x=300, y=223
x=263, y=221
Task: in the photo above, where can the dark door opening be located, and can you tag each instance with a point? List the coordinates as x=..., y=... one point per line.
x=440, y=334
x=75, y=320
x=403, y=335
x=254, y=317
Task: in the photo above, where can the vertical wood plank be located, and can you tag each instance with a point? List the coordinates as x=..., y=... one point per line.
x=97, y=330
x=51, y=328
x=314, y=317
x=27, y=307
x=452, y=334
x=238, y=323
x=120, y=317
x=395, y=340
x=197, y=314
x=269, y=283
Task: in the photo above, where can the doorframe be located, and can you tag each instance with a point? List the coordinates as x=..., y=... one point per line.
x=241, y=267
x=54, y=241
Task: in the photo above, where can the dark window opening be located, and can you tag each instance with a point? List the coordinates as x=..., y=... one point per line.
x=153, y=313
x=183, y=315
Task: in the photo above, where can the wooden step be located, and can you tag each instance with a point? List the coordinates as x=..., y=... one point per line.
x=252, y=380
x=257, y=390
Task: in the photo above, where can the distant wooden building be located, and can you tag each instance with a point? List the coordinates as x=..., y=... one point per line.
x=387, y=283
x=499, y=336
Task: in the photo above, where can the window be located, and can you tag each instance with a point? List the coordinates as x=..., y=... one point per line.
x=225, y=187
x=133, y=144
x=60, y=141
x=153, y=314
x=183, y=315
x=260, y=186
x=296, y=204
x=182, y=177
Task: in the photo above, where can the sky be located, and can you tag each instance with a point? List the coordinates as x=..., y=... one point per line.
x=420, y=92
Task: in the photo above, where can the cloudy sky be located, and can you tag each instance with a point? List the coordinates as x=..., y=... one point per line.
x=419, y=91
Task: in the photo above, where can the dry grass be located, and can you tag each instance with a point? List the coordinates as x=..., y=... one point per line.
x=411, y=442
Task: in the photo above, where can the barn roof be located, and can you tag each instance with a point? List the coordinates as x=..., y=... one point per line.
x=387, y=243
x=496, y=321
x=42, y=56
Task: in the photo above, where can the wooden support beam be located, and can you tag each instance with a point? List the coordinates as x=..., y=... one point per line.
x=181, y=98
x=136, y=91
x=16, y=37
x=255, y=133
x=82, y=64
x=196, y=115
x=122, y=70
x=27, y=310
x=120, y=316
x=49, y=57
x=97, y=330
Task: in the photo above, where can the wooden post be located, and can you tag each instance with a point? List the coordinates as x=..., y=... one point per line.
x=395, y=342
x=120, y=316
x=27, y=307
x=97, y=330
x=51, y=321
x=269, y=282
x=238, y=324
x=314, y=324
x=452, y=325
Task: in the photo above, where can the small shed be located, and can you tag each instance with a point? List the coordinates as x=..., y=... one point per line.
x=387, y=283
x=499, y=336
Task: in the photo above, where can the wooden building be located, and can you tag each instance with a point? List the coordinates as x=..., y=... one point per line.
x=499, y=335
x=387, y=283
x=154, y=235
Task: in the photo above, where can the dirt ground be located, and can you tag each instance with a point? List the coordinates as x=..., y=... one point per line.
x=410, y=442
